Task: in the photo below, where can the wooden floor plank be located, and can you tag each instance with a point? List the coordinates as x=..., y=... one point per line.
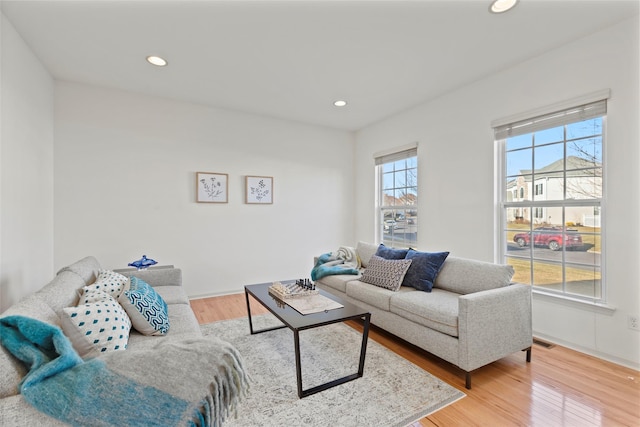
x=560, y=387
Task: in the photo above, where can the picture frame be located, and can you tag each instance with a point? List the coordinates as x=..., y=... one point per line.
x=259, y=190
x=212, y=187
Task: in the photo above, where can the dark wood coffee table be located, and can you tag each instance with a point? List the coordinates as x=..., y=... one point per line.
x=298, y=322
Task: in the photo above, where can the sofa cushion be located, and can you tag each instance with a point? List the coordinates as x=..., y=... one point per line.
x=466, y=276
x=96, y=327
x=436, y=310
x=391, y=253
x=386, y=273
x=145, y=307
x=423, y=269
x=183, y=323
x=16, y=411
x=365, y=252
x=338, y=281
x=370, y=294
x=173, y=294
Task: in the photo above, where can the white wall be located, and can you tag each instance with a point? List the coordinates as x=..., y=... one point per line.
x=456, y=173
x=26, y=173
x=125, y=168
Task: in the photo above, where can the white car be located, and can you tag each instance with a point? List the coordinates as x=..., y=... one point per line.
x=390, y=224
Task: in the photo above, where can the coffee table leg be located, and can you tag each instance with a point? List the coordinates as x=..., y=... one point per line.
x=296, y=341
x=253, y=332
x=363, y=351
x=246, y=297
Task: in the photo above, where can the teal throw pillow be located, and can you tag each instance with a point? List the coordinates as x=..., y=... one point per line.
x=147, y=310
x=391, y=253
x=424, y=268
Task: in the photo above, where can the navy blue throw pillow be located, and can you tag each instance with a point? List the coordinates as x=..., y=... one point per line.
x=424, y=268
x=390, y=253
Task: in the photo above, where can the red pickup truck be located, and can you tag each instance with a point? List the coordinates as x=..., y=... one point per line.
x=551, y=237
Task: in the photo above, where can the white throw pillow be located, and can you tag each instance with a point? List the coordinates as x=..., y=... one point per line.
x=96, y=327
x=108, y=281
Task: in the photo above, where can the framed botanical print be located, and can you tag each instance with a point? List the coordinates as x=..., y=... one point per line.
x=212, y=187
x=259, y=189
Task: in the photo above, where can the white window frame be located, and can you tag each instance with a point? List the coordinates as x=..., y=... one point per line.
x=541, y=119
x=385, y=157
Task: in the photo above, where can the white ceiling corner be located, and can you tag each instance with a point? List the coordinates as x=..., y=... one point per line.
x=293, y=59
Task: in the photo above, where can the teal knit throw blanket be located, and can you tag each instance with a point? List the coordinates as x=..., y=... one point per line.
x=329, y=264
x=192, y=381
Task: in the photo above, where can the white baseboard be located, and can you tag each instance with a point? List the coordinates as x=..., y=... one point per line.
x=607, y=357
x=215, y=294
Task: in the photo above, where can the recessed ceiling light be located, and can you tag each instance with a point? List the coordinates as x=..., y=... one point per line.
x=501, y=6
x=157, y=61
x=340, y=103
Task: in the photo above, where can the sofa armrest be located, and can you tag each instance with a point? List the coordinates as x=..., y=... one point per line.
x=493, y=324
x=162, y=276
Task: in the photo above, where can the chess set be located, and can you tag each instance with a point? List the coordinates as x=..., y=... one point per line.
x=300, y=288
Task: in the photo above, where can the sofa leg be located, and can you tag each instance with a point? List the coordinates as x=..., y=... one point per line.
x=467, y=380
x=528, y=350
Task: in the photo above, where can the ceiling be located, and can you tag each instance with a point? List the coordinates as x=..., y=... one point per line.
x=292, y=59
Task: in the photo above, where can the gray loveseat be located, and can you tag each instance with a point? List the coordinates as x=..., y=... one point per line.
x=473, y=315
x=63, y=291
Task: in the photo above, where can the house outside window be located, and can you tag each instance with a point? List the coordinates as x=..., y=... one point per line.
x=552, y=234
x=397, y=198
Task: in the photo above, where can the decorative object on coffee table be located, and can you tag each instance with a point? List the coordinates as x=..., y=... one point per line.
x=301, y=288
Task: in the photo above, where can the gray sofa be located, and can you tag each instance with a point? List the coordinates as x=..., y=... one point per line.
x=473, y=316
x=63, y=291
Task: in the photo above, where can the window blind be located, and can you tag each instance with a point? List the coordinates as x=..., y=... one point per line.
x=551, y=120
x=395, y=156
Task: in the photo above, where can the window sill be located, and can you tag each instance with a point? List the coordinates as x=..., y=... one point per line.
x=575, y=302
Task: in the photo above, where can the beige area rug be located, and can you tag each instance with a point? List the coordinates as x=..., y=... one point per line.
x=392, y=392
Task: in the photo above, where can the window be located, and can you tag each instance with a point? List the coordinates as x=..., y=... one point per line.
x=552, y=233
x=539, y=214
x=397, y=201
x=539, y=189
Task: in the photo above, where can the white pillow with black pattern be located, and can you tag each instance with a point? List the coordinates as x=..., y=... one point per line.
x=108, y=282
x=385, y=273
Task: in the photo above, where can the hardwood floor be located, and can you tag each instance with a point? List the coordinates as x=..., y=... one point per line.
x=560, y=387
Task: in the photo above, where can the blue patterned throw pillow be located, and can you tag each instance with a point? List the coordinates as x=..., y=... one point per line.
x=146, y=308
x=391, y=253
x=424, y=268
